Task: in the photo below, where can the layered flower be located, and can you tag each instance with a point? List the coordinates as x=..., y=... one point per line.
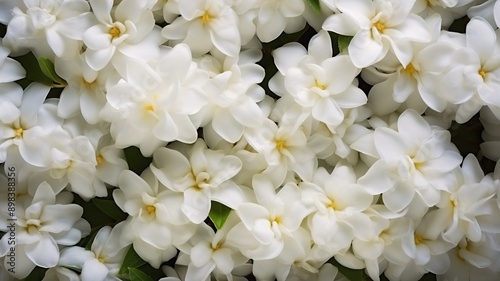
x=41, y=227
x=205, y=25
x=199, y=176
x=322, y=85
x=49, y=28
x=376, y=27
x=103, y=260
x=127, y=31
x=154, y=224
x=152, y=104
x=414, y=160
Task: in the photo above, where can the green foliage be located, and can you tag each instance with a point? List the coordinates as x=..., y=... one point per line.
x=33, y=71
x=343, y=42
x=137, y=275
x=110, y=208
x=37, y=274
x=218, y=214
x=350, y=274
x=47, y=67
x=131, y=260
x=314, y=5
x=136, y=162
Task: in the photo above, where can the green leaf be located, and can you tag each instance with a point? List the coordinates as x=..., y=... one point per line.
x=344, y=42
x=351, y=274
x=90, y=240
x=315, y=5
x=131, y=260
x=135, y=160
x=33, y=71
x=137, y=275
x=110, y=208
x=47, y=67
x=37, y=274
x=218, y=214
x=73, y=268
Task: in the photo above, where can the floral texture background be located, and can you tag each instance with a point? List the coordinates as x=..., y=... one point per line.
x=237, y=140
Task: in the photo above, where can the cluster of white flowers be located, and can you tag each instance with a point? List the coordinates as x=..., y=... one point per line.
x=315, y=168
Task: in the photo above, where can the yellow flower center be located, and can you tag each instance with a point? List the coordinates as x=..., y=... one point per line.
x=332, y=205
x=99, y=159
x=150, y=107
x=319, y=85
x=31, y=228
x=482, y=73
x=216, y=247
x=418, y=239
x=114, y=32
x=19, y=132
x=100, y=259
x=379, y=26
x=150, y=209
x=410, y=69
x=276, y=220
x=206, y=18
x=280, y=144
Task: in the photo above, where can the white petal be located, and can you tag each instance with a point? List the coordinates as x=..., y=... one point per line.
x=481, y=38
x=75, y=256
x=390, y=144
x=376, y=179
x=360, y=11
x=58, y=218
x=288, y=56
x=342, y=24
x=340, y=72
x=196, y=205
x=45, y=253
x=97, y=60
x=365, y=51
x=201, y=254
x=320, y=46
x=328, y=111
x=33, y=98
x=93, y=270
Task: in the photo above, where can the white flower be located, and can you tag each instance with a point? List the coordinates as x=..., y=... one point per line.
x=103, y=260
x=202, y=175
x=470, y=259
x=155, y=220
x=378, y=26
x=73, y=161
x=204, y=25
x=474, y=77
x=152, y=104
x=41, y=226
x=271, y=224
x=414, y=160
x=85, y=91
x=426, y=247
x=49, y=27
x=274, y=17
x=127, y=31
x=25, y=120
x=285, y=148
x=232, y=94
x=338, y=204
x=208, y=252
x=319, y=83
x=469, y=207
